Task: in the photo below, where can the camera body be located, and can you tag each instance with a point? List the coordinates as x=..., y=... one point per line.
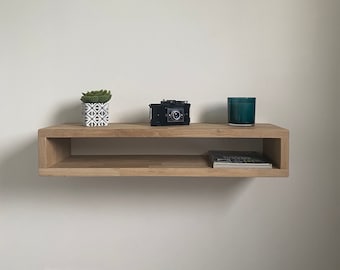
x=169, y=112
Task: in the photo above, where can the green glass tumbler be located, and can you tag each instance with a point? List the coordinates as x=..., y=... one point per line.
x=241, y=111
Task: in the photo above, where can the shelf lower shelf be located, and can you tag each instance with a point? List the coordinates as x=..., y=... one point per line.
x=150, y=165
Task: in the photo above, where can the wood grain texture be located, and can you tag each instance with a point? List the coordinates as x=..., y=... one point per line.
x=55, y=158
x=195, y=130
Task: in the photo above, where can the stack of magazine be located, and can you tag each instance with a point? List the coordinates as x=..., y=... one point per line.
x=238, y=159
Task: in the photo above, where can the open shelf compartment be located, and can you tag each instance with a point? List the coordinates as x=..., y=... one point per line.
x=56, y=157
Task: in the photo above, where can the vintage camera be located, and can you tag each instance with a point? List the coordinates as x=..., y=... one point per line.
x=169, y=112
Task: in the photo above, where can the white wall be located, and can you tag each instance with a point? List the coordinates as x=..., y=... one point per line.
x=284, y=52
x=336, y=113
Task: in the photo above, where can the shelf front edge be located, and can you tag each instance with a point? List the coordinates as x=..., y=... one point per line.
x=153, y=172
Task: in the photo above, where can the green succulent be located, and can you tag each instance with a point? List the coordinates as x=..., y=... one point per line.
x=96, y=96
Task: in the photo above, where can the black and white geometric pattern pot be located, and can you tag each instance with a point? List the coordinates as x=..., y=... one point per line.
x=95, y=114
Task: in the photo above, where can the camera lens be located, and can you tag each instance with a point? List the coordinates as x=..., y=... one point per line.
x=175, y=115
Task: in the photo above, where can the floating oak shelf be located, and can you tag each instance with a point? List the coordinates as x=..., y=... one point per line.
x=56, y=157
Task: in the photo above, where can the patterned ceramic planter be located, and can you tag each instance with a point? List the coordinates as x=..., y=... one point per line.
x=95, y=114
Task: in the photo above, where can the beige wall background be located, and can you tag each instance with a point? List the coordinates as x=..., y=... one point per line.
x=286, y=53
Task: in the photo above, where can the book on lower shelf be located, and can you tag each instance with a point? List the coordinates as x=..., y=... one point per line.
x=238, y=159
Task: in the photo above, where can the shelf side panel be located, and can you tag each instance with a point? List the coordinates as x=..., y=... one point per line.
x=277, y=150
x=52, y=151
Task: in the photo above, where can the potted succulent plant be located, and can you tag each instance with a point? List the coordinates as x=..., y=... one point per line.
x=95, y=107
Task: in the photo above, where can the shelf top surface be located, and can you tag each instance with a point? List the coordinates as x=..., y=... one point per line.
x=194, y=130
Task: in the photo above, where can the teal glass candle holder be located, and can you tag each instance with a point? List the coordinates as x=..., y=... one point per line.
x=241, y=111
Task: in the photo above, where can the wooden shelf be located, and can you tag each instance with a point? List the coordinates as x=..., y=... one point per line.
x=56, y=157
